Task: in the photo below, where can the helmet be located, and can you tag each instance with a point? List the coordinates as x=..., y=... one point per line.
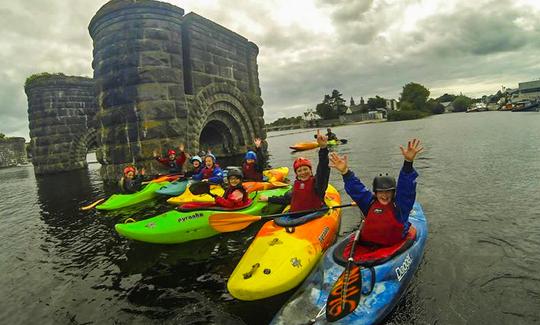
x=211, y=156
x=129, y=169
x=301, y=161
x=384, y=183
x=235, y=172
x=197, y=158
x=250, y=155
x=171, y=152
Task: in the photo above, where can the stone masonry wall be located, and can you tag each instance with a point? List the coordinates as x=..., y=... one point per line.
x=61, y=112
x=138, y=71
x=12, y=152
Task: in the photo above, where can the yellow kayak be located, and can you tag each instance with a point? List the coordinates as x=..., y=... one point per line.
x=274, y=175
x=280, y=258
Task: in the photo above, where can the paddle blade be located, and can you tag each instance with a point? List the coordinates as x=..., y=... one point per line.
x=343, y=141
x=279, y=184
x=231, y=221
x=345, y=294
x=90, y=206
x=199, y=188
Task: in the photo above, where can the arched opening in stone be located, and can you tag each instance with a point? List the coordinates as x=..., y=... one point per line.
x=222, y=134
x=83, y=150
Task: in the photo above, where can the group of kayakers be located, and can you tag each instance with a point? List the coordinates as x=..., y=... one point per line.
x=386, y=208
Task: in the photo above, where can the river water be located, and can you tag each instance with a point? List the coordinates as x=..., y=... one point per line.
x=479, y=186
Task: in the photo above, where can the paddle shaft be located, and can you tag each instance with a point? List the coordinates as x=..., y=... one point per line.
x=307, y=211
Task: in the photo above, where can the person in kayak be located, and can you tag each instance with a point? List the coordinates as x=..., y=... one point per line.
x=254, y=162
x=235, y=195
x=211, y=172
x=330, y=135
x=308, y=191
x=196, y=164
x=132, y=180
x=387, y=209
x=173, y=161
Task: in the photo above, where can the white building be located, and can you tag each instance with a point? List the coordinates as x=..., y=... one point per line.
x=391, y=105
x=310, y=115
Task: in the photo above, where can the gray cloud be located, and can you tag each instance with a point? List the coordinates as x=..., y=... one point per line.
x=370, y=47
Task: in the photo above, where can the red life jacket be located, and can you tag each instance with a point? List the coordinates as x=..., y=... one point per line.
x=207, y=172
x=304, y=196
x=240, y=188
x=381, y=226
x=250, y=172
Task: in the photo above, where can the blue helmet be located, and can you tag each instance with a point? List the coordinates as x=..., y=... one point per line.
x=250, y=155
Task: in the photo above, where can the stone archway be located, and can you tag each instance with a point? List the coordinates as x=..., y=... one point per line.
x=224, y=120
x=82, y=145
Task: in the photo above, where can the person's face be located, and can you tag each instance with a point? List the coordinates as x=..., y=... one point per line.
x=196, y=163
x=172, y=157
x=233, y=180
x=130, y=175
x=250, y=161
x=385, y=197
x=303, y=173
x=328, y=130
x=209, y=162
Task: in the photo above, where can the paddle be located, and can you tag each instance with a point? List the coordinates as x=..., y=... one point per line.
x=92, y=205
x=199, y=188
x=345, y=294
x=234, y=221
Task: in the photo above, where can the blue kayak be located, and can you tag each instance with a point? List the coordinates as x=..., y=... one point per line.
x=384, y=281
x=173, y=189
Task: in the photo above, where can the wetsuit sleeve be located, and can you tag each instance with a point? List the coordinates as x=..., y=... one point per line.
x=405, y=191
x=198, y=176
x=260, y=160
x=358, y=191
x=284, y=199
x=163, y=161
x=180, y=160
x=217, y=176
x=323, y=173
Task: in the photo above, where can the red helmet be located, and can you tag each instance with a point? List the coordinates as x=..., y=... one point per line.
x=129, y=169
x=171, y=152
x=301, y=161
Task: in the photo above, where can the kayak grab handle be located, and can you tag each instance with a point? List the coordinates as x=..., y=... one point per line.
x=250, y=273
x=130, y=220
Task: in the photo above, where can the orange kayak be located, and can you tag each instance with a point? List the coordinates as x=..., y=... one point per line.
x=304, y=146
x=275, y=177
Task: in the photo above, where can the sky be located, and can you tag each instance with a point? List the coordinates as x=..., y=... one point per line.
x=307, y=47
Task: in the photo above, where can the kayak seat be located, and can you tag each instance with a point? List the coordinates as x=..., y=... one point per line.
x=372, y=255
x=209, y=206
x=289, y=221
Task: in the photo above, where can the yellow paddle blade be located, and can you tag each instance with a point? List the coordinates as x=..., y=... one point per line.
x=279, y=184
x=90, y=206
x=231, y=221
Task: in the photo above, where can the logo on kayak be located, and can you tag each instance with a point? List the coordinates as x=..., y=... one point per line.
x=323, y=234
x=402, y=270
x=190, y=217
x=296, y=262
x=275, y=241
x=151, y=225
x=378, y=211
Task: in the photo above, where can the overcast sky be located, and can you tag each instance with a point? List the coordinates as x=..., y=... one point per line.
x=307, y=47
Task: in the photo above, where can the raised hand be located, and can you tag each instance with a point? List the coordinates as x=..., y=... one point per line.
x=181, y=147
x=413, y=148
x=257, y=142
x=322, y=139
x=341, y=164
x=154, y=153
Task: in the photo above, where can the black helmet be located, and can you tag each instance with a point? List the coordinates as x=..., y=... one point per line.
x=235, y=172
x=384, y=183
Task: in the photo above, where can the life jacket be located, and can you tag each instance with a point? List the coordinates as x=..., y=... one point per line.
x=381, y=226
x=250, y=172
x=240, y=188
x=207, y=172
x=304, y=196
x=174, y=167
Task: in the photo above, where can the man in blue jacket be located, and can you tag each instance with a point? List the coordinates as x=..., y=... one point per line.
x=387, y=209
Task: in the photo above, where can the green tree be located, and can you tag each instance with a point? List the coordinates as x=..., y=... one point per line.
x=377, y=102
x=446, y=98
x=461, y=103
x=434, y=106
x=337, y=102
x=325, y=109
x=416, y=94
x=2, y=135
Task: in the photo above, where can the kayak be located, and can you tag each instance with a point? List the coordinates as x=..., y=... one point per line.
x=175, y=226
x=117, y=201
x=280, y=258
x=188, y=197
x=275, y=178
x=173, y=189
x=304, y=146
x=301, y=146
x=274, y=175
x=393, y=270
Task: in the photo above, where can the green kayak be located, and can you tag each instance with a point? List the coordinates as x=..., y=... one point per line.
x=175, y=226
x=117, y=201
